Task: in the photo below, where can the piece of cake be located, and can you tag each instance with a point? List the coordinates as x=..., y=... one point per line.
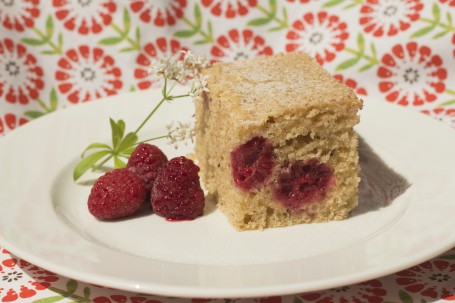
x=275, y=142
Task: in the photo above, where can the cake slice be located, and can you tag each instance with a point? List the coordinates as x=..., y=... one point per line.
x=275, y=142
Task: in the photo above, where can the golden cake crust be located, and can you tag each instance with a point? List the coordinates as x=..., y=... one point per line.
x=266, y=86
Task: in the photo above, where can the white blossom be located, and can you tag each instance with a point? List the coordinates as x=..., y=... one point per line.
x=182, y=132
x=184, y=71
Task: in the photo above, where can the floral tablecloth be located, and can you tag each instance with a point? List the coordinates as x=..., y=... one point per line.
x=60, y=53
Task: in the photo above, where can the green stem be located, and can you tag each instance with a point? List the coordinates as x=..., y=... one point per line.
x=43, y=105
x=371, y=59
x=69, y=295
x=95, y=168
x=56, y=49
x=134, y=44
x=282, y=23
x=447, y=27
x=153, y=139
x=150, y=115
x=208, y=37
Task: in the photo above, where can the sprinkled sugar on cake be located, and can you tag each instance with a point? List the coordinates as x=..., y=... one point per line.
x=275, y=142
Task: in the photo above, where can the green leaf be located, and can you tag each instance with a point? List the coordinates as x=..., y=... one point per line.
x=53, y=99
x=87, y=163
x=127, y=151
x=49, y=299
x=138, y=35
x=132, y=88
x=436, y=13
x=350, y=6
x=197, y=15
x=441, y=34
x=118, y=163
x=405, y=297
x=285, y=15
x=201, y=42
x=348, y=63
x=111, y=40
x=450, y=91
x=127, y=49
x=184, y=33
x=361, y=43
x=48, y=52
x=86, y=292
x=373, y=50
x=332, y=3
x=71, y=286
x=60, y=40
x=128, y=141
x=272, y=4
x=276, y=28
x=259, y=21
x=96, y=146
x=209, y=28
x=49, y=26
x=117, y=129
x=423, y=31
x=297, y=300
x=450, y=102
x=366, y=67
x=34, y=114
x=32, y=41
x=126, y=21
x=449, y=18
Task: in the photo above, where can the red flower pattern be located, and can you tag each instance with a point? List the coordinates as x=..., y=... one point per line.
x=352, y=84
x=19, y=15
x=160, y=13
x=238, y=44
x=411, y=74
x=161, y=48
x=21, y=76
x=389, y=17
x=85, y=16
x=229, y=8
x=449, y=2
x=86, y=73
x=434, y=279
x=453, y=42
x=371, y=291
x=11, y=121
x=442, y=114
x=319, y=34
x=15, y=284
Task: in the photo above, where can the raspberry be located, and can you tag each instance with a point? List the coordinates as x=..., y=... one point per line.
x=252, y=163
x=302, y=182
x=116, y=194
x=146, y=161
x=177, y=192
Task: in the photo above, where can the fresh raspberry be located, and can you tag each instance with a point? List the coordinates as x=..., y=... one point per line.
x=252, y=163
x=116, y=194
x=303, y=182
x=146, y=161
x=177, y=192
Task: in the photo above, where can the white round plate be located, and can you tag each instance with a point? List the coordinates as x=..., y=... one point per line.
x=405, y=215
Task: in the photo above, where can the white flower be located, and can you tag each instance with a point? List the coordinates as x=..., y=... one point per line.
x=184, y=71
x=181, y=133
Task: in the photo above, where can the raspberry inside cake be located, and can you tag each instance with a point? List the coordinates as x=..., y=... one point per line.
x=275, y=142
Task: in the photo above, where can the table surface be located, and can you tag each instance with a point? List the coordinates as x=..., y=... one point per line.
x=57, y=54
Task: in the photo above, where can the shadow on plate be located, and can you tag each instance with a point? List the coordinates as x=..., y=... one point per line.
x=380, y=185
